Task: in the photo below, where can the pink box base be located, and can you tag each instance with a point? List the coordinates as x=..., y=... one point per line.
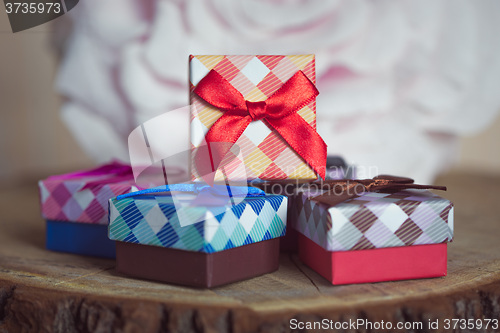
x=377, y=265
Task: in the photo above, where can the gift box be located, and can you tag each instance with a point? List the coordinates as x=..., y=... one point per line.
x=183, y=239
x=75, y=207
x=261, y=111
x=394, y=233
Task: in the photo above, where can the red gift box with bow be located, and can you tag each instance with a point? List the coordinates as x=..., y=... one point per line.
x=372, y=230
x=256, y=115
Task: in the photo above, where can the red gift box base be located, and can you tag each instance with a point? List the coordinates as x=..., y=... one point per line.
x=377, y=265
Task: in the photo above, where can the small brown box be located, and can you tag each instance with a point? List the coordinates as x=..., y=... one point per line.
x=197, y=269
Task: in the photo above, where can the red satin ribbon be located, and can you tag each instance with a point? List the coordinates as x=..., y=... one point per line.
x=279, y=111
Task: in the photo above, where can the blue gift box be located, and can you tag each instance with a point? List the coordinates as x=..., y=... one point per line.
x=74, y=206
x=183, y=223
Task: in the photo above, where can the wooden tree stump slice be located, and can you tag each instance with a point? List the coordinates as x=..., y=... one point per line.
x=44, y=291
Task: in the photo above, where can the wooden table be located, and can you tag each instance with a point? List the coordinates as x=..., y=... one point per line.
x=44, y=291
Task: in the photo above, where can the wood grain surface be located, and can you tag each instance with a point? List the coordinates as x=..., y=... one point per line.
x=43, y=291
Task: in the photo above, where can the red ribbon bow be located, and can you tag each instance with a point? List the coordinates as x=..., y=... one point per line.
x=279, y=111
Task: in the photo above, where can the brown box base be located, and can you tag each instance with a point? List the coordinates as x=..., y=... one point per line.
x=197, y=269
x=290, y=242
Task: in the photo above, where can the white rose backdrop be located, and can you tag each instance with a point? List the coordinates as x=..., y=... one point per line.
x=399, y=81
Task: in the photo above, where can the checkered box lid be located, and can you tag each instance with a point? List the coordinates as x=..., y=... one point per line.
x=154, y=220
x=265, y=154
x=376, y=220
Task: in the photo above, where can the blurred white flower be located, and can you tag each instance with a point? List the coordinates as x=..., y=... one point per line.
x=399, y=80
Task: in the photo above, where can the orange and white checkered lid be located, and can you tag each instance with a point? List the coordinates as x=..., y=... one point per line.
x=260, y=152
